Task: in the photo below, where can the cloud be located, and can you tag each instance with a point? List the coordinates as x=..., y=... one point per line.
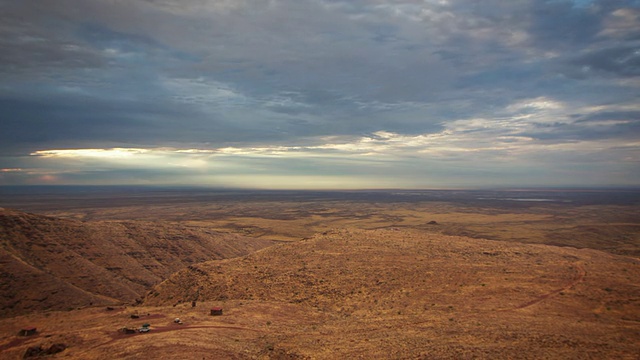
x=527, y=133
x=115, y=153
x=622, y=61
x=621, y=23
x=402, y=83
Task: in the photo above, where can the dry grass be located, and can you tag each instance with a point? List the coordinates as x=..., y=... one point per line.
x=385, y=294
x=366, y=279
x=51, y=263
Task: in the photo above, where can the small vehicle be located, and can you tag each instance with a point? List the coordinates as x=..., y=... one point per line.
x=144, y=329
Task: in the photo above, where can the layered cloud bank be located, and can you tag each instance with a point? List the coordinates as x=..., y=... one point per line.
x=320, y=94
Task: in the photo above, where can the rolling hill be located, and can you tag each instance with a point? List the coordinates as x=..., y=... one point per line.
x=51, y=263
x=407, y=294
x=391, y=293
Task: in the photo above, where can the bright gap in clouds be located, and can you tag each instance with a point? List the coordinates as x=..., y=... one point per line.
x=91, y=153
x=507, y=150
x=467, y=153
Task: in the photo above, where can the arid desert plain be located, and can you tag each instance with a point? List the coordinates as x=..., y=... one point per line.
x=520, y=274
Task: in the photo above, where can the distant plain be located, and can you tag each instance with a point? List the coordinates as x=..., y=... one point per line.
x=603, y=219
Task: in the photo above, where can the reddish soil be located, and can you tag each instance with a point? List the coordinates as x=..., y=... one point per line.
x=16, y=342
x=580, y=274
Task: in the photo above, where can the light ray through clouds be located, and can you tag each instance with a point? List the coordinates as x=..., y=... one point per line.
x=320, y=93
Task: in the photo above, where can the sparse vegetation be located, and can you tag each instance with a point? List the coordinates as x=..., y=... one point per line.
x=98, y=263
x=393, y=292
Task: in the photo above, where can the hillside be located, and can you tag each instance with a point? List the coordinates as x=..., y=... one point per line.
x=396, y=294
x=377, y=294
x=51, y=263
x=404, y=276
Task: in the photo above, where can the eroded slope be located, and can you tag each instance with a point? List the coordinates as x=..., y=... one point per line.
x=50, y=263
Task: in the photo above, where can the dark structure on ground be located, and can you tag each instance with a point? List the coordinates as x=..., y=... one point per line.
x=216, y=311
x=28, y=331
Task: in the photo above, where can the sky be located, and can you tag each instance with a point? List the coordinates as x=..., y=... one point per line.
x=320, y=94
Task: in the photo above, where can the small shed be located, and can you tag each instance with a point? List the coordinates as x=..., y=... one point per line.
x=28, y=331
x=215, y=311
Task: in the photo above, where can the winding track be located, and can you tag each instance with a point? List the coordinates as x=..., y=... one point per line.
x=579, y=277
